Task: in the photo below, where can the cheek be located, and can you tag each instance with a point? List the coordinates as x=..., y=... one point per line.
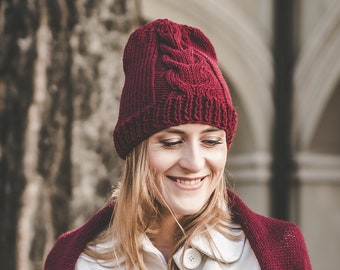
x=219, y=160
x=157, y=164
x=161, y=160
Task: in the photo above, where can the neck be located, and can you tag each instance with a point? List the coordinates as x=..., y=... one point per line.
x=165, y=238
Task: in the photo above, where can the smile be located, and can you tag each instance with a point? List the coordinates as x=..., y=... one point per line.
x=189, y=182
x=186, y=181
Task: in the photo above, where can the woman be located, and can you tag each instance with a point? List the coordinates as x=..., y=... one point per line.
x=172, y=209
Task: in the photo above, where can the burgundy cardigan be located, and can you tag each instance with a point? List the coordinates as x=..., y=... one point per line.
x=278, y=245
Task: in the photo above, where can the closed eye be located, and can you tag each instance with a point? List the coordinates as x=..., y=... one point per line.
x=170, y=143
x=212, y=142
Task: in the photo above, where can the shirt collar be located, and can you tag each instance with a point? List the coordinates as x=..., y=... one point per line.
x=217, y=246
x=213, y=245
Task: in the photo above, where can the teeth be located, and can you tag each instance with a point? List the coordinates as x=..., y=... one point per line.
x=189, y=183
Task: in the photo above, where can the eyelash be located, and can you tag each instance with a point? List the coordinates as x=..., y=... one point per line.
x=171, y=144
x=212, y=142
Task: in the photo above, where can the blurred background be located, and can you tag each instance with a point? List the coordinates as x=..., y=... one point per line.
x=60, y=83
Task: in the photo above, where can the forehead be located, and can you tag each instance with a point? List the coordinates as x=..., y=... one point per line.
x=191, y=128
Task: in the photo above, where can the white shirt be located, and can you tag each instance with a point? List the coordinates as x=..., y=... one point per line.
x=222, y=254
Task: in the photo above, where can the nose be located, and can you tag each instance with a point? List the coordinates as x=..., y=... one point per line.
x=192, y=159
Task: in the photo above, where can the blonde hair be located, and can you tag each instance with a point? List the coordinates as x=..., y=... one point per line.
x=137, y=213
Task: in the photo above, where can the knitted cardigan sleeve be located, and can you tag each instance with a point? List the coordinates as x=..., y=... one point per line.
x=277, y=244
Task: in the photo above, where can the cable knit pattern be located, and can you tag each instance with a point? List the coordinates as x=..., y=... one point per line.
x=171, y=78
x=278, y=245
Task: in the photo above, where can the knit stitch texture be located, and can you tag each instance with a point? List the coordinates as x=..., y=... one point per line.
x=171, y=78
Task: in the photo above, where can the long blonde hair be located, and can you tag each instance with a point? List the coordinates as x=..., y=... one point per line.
x=137, y=212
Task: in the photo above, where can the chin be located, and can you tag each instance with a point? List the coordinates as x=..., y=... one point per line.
x=186, y=212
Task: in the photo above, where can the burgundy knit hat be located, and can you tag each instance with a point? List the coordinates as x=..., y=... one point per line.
x=171, y=78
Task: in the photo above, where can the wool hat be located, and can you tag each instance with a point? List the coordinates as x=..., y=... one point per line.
x=171, y=78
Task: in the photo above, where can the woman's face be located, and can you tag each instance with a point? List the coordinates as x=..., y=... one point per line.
x=188, y=161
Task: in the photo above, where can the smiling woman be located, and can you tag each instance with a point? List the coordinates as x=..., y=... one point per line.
x=173, y=209
x=188, y=164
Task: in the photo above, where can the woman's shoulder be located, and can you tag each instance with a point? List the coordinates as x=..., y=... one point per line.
x=71, y=244
x=284, y=232
x=270, y=238
x=267, y=226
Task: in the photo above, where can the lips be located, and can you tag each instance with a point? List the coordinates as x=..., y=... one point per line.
x=187, y=181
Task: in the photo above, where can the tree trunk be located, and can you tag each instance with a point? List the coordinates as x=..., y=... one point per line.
x=60, y=82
